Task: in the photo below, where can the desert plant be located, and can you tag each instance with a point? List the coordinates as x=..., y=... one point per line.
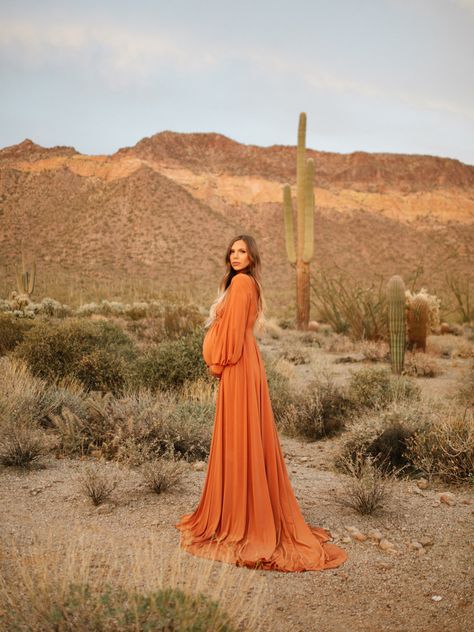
x=356, y=311
x=465, y=392
x=281, y=394
x=384, y=436
x=97, y=484
x=367, y=489
x=462, y=291
x=26, y=277
x=162, y=474
x=375, y=387
x=302, y=255
x=71, y=348
x=22, y=444
x=24, y=398
x=396, y=322
x=171, y=363
x=320, y=410
x=417, y=322
x=12, y=331
x=421, y=365
x=444, y=445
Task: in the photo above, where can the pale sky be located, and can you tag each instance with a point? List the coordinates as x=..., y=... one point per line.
x=378, y=75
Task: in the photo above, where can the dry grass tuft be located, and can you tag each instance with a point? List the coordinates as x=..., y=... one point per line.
x=97, y=483
x=367, y=489
x=71, y=581
x=419, y=364
x=444, y=445
x=162, y=474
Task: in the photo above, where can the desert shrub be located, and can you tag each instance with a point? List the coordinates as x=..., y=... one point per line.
x=83, y=607
x=281, y=394
x=367, y=489
x=97, y=483
x=443, y=446
x=375, y=387
x=162, y=474
x=171, y=363
x=138, y=427
x=12, y=331
x=320, y=410
x=22, y=444
x=359, y=312
x=375, y=351
x=383, y=435
x=100, y=370
x=75, y=348
x=295, y=353
x=421, y=364
x=340, y=343
x=465, y=392
x=24, y=398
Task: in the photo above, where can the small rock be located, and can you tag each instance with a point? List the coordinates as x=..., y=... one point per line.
x=385, y=544
x=374, y=534
x=436, y=597
x=199, y=466
x=421, y=552
x=346, y=539
x=417, y=490
x=422, y=483
x=426, y=541
x=352, y=529
x=359, y=536
x=414, y=544
x=448, y=498
x=303, y=459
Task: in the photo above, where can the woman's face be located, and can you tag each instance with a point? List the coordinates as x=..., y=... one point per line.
x=239, y=258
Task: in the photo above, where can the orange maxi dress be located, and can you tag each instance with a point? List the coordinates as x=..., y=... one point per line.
x=248, y=514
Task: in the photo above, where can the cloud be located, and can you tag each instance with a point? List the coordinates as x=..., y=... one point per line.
x=119, y=54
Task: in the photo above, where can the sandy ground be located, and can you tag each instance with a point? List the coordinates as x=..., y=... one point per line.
x=372, y=591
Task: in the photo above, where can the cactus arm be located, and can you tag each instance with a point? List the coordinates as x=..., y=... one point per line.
x=309, y=213
x=288, y=218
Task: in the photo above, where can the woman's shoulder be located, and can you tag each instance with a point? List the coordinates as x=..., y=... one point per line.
x=243, y=280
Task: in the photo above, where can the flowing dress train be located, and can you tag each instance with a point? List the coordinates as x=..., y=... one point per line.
x=248, y=514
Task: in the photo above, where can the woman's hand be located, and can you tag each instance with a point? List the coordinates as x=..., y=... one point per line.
x=215, y=370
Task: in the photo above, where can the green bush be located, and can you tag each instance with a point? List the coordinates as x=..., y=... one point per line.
x=83, y=349
x=171, y=363
x=320, y=410
x=375, y=387
x=82, y=608
x=12, y=331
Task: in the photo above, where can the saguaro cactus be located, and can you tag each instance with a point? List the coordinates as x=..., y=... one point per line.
x=396, y=322
x=418, y=319
x=303, y=253
x=25, y=279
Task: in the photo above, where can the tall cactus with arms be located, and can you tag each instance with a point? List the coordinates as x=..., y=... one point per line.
x=303, y=253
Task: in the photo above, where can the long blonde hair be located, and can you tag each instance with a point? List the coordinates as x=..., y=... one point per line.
x=254, y=270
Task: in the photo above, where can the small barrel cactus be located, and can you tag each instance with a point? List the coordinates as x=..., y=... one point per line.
x=396, y=322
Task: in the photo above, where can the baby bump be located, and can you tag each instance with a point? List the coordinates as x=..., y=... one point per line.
x=207, y=345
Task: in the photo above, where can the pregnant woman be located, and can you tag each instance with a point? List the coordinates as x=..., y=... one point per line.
x=248, y=514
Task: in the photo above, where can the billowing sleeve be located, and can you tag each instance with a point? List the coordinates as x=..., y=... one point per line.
x=229, y=333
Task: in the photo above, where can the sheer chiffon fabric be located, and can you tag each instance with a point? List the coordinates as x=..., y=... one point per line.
x=248, y=514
